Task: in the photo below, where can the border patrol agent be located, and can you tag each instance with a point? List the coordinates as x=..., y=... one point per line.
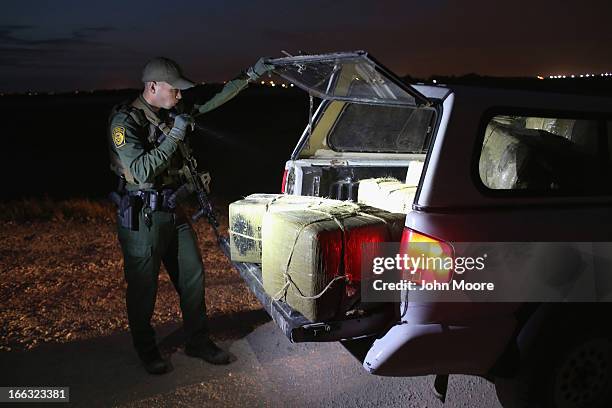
x=144, y=154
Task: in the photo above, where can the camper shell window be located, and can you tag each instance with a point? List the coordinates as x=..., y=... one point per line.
x=378, y=129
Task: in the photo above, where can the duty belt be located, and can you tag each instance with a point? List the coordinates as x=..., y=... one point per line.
x=164, y=200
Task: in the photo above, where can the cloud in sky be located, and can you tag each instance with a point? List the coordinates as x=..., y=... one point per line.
x=19, y=51
x=70, y=44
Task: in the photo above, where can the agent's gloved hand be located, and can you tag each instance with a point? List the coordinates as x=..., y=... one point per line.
x=259, y=69
x=181, y=123
x=206, y=179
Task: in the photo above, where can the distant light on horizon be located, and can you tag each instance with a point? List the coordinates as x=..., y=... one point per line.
x=565, y=76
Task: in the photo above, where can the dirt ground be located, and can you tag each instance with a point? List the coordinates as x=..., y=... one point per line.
x=65, y=324
x=61, y=280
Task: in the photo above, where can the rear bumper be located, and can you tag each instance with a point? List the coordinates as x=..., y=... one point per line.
x=411, y=349
x=294, y=325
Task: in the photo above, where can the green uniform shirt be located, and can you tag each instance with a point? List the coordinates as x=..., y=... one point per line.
x=136, y=149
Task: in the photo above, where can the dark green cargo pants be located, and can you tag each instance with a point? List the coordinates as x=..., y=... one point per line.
x=171, y=240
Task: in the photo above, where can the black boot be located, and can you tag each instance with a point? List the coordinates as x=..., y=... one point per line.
x=208, y=351
x=153, y=362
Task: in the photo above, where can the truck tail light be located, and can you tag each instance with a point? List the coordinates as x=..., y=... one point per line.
x=284, y=185
x=436, y=257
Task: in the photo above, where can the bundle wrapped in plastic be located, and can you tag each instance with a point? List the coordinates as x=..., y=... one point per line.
x=387, y=193
x=498, y=164
x=310, y=255
x=530, y=159
x=560, y=127
x=245, y=217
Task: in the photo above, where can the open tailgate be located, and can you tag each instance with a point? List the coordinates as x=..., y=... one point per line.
x=295, y=326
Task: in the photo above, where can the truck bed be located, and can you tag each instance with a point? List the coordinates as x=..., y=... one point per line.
x=294, y=325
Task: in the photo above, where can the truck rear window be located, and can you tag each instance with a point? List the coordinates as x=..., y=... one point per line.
x=546, y=154
x=376, y=128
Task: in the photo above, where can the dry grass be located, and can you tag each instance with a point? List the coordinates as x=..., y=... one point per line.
x=62, y=280
x=46, y=209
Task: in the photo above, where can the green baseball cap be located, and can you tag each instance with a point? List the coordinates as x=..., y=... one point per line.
x=164, y=69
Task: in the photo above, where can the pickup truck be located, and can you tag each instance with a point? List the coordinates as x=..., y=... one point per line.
x=489, y=165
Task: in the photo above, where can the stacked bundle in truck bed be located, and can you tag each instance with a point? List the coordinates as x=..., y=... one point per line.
x=516, y=158
x=310, y=254
x=245, y=217
x=387, y=193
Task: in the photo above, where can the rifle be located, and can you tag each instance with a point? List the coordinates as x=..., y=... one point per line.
x=195, y=182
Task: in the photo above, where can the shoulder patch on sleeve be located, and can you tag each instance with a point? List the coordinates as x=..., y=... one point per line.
x=118, y=136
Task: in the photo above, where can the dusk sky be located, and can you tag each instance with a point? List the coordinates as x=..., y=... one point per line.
x=65, y=45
